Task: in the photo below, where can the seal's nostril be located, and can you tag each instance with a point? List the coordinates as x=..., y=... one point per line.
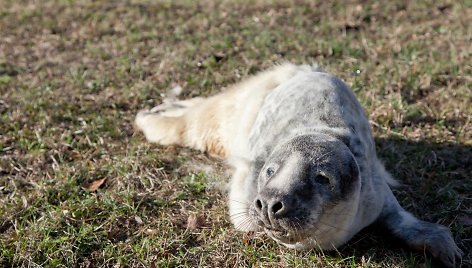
x=277, y=207
x=258, y=204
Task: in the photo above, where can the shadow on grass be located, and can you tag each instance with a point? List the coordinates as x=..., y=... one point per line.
x=436, y=187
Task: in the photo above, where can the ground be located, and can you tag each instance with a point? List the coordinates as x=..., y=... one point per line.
x=73, y=74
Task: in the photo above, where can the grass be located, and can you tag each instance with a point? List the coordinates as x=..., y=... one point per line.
x=74, y=73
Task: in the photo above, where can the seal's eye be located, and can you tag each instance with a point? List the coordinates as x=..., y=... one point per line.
x=269, y=172
x=321, y=179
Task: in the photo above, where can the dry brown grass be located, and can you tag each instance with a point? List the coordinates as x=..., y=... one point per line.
x=74, y=73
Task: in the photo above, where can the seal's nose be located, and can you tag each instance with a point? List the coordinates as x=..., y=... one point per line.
x=275, y=207
x=270, y=209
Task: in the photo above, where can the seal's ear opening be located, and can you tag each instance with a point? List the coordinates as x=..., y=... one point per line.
x=350, y=176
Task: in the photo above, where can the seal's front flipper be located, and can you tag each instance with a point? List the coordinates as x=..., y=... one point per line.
x=420, y=235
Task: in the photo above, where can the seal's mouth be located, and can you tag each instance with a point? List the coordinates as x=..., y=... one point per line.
x=284, y=236
x=277, y=233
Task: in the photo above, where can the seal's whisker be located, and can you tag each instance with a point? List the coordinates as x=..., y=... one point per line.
x=241, y=213
x=245, y=224
x=238, y=216
x=297, y=229
x=241, y=223
x=241, y=217
x=239, y=201
x=241, y=208
x=293, y=229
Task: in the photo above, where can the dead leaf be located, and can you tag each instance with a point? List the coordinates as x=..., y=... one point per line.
x=150, y=231
x=75, y=155
x=93, y=186
x=194, y=222
x=138, y=220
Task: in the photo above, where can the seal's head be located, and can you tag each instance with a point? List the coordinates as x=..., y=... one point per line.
x=308, y=193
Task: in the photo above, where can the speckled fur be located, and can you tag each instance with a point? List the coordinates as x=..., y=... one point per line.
x=305, y=166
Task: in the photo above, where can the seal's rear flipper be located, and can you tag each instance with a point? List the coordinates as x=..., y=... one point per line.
x=420, y=235
x=161, y=129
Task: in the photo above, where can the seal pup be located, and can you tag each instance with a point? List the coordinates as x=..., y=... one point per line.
x=305, y=166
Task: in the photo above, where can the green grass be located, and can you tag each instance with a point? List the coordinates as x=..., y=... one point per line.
x=74, y=73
